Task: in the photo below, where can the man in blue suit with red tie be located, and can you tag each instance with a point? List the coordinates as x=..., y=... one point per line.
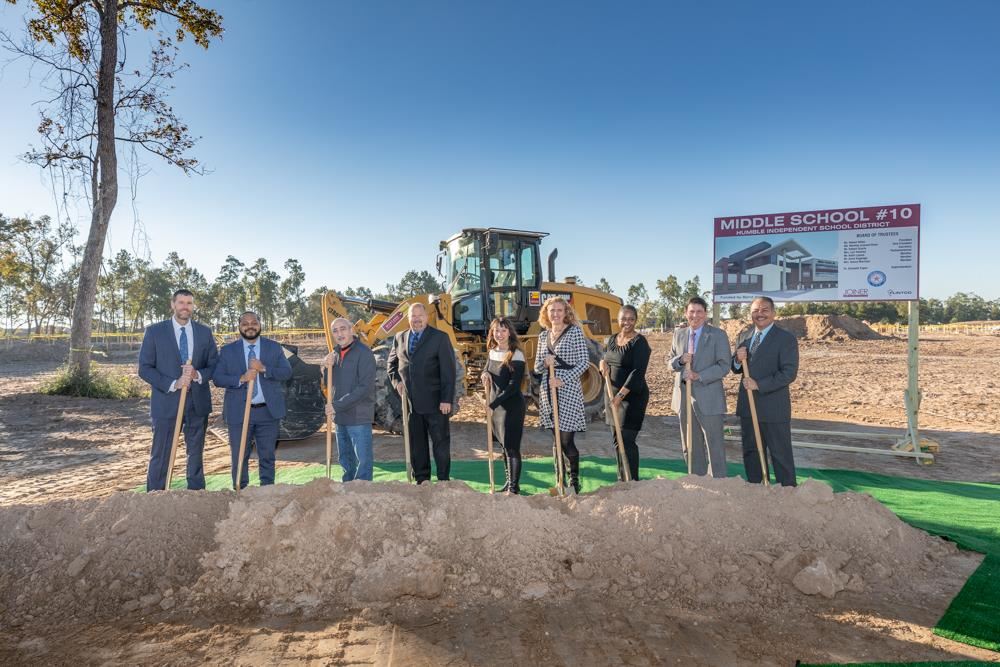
x=253, y=357
x=178, y=353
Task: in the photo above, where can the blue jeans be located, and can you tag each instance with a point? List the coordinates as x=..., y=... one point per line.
x=354, y=445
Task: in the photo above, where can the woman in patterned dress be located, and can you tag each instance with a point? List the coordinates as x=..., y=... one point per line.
x=563, y=346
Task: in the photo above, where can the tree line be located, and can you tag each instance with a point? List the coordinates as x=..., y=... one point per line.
x=40, y=266
x=665, y=306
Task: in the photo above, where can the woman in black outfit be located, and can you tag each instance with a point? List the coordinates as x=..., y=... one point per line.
x=624, y=363
x=502, y=381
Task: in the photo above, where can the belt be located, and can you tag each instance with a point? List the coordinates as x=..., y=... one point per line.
x=258, y=405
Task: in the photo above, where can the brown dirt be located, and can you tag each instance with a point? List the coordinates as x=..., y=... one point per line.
x=79, y=452
x=813, y=327
x=703, y=571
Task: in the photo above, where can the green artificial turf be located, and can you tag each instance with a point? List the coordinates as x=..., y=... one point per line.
x=958, y=663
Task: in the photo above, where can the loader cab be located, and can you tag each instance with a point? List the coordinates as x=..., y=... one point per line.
x=494, y=273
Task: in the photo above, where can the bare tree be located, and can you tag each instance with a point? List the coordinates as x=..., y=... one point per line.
x=97, y=105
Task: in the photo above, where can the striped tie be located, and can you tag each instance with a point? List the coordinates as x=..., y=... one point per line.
x=755, y=343
x=258, y=396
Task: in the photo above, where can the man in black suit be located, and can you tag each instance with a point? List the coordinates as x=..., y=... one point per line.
x=773, y=357
x=421, y=367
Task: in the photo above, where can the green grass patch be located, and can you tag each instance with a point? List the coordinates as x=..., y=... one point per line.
x=68, y=381
x=958, y=663
x=974, y=615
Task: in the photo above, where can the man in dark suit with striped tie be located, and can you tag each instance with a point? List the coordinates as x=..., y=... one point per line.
x=773, y=357
x=253, y=357
x=178, y=353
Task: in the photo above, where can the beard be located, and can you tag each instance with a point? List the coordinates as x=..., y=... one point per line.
x=251, y=335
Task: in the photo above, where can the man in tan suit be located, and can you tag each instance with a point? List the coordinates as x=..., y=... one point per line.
x=700, y=352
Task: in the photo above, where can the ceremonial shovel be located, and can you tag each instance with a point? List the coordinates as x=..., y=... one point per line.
x=756, y=426
x=243, y=436
x=177, y=430
x=690, y=409
x=405, y=399
x=618, y=430
x=560, y=488
x=329, y=420
x=489, y=436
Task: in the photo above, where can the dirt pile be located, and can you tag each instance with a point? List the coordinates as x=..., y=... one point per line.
x=813, y=327
x=714, y=545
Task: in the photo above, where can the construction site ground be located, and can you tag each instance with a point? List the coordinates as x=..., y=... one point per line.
x=74, y=455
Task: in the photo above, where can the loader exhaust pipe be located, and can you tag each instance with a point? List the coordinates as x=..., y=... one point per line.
x=552, y=264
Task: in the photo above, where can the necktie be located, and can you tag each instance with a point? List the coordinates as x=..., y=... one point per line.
x=691, y=343
x=184, y=346
x=257, y=394
x=414, y=337
x=755, y=343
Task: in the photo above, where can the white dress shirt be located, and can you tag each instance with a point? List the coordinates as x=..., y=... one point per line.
x=177, y=337
x=762, y=334
x=258, y=393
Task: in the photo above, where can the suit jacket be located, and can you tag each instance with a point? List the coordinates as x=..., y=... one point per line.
x=160, y=364
x=711, y=362
x=774, y=367
x=233, y=364
x=429, y=375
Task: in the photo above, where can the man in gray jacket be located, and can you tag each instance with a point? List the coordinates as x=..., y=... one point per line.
x=353, y=366
x=700, y=352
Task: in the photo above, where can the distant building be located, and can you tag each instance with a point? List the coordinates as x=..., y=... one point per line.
x=779, y=268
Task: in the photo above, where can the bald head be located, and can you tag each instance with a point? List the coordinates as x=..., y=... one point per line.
x=342, y=330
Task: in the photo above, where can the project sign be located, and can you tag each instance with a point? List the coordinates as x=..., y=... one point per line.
x=870, y=253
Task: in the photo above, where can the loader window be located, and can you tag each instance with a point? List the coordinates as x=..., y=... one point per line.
x=528, y=276
x=470, y=313
x=464, y=274
x=503, y=264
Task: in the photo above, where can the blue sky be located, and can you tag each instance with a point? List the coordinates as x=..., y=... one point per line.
x=356, y=135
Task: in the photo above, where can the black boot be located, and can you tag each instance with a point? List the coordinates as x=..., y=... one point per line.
x=574, y=473
x=618, y=457
x=631, y=452
x=506, y=470
x=514, y=475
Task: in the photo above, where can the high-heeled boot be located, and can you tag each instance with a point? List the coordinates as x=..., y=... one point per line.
x=514, y=475
x=506, y=470
x=631, y=452
x=574, y=473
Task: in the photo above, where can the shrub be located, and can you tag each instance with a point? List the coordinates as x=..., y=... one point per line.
x=66, y=382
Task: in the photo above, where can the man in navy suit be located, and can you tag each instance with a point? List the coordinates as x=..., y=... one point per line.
x=253, y=358
x=773, y=357
x=178, y=353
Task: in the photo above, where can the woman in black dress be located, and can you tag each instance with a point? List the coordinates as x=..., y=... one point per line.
x=624, y=363
x=502, y=381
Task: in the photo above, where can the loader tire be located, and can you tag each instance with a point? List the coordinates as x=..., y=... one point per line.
x=591, y=382
x=388, y=407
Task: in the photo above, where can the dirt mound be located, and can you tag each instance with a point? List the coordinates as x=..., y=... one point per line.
x=718, y=545
x=813, y=327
